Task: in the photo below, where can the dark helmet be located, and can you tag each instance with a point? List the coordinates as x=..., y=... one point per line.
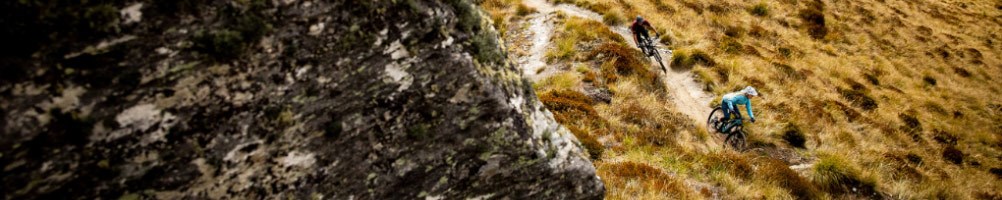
x=639, y=18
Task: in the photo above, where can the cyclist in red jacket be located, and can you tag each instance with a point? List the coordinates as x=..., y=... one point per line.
x=639, y=29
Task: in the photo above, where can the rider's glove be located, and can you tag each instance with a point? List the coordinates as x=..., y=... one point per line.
x=753, y=120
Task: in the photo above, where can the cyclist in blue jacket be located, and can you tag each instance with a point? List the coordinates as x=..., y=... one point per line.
x=730, y=103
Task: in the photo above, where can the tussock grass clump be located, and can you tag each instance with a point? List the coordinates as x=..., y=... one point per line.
x=732, y=163
x=858, y=98
x=558, y=81
x=834, y=174
x=501, y=11
x=592, y=145
x=996, y=171
x=687, y=59
x=523, y=10
x=695, y=6
x=626, y=61
x=944, y=137
x=651, y=136
x=570, y=107
x=912, y=126
x=779, y=172
x=589, y=77
x=569, y=95
x=735, y=31
x=635, y=113
x=613, y=18
x=662, y=6
x=929, y=80
x=794, y=136
x=565, y=49
x=759, y=31
x=953, y=155
x=731, y=46
x=578, y=33
x=961, y=72
x=650, y=179
x=635, y=170
x=814, y=20
x=760, y=9
x=591, y=31
x=717, y=8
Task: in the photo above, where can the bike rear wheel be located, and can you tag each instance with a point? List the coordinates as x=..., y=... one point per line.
x=712, y=120
x=737, y=139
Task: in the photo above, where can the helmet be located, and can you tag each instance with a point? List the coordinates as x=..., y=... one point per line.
x=750, y=91
x=639, y=18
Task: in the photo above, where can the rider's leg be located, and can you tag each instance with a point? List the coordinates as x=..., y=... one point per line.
x=734, y=109
x=726, y=107
x=645, y=39
x=639, y=40
x=727, y=116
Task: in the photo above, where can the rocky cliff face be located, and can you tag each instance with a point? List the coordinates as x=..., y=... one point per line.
x=283, y=98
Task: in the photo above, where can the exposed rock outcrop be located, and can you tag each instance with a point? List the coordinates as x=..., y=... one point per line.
x=284, y=98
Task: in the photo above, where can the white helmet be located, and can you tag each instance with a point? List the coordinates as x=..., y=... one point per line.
x=750, y=91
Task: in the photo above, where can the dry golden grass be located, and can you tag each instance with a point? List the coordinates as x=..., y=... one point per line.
x=504, y=11
x=579, y=35
x=896, y=98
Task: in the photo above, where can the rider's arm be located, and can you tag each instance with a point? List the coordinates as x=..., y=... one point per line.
x=648, y=25
x=748, y=107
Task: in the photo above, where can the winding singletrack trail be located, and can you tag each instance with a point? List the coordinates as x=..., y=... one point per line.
x=687, y=95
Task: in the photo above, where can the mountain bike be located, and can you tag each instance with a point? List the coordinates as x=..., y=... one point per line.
x=736, y=136
x=649, y=47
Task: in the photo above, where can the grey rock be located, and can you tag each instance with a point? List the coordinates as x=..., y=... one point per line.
x=275, y=99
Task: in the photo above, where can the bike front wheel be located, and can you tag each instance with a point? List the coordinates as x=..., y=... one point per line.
x=657, y=56
x=714, y=119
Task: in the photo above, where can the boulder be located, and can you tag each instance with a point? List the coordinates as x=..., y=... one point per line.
x=274, y=99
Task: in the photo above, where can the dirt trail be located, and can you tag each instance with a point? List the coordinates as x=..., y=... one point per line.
x=687, y=94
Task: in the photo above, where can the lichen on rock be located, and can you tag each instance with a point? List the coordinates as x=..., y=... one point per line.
x=333, y=99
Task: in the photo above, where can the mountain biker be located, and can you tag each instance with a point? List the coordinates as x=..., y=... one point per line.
x=639, y=29
x=729, y=103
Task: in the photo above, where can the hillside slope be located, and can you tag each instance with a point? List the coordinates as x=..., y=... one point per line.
x=861, y=99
